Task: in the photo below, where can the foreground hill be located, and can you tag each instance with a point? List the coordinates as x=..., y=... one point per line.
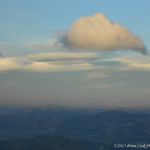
x=48, y=143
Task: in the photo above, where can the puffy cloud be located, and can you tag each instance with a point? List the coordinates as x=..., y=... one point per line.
x=99, y=33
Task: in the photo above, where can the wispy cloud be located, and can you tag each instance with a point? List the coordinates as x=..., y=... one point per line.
x=133, y=62
x=100, y=86
x=1, y=55
x=52, y=44
x=70, y=55
x=10, y=63
x=5, y=45
x=98, y=32
x=96, y=75
x=8, y=84
x=31, y=62
x=71, y=61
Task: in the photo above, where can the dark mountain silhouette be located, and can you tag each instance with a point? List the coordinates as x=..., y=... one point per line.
x=49, y=143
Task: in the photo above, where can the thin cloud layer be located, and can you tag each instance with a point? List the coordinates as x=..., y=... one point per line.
x=46, y=45
x=133, y=62
x=96, y=75
x=64, y=61
x=65, y=55
x=98, y=86
x=98, y=33
x=5, y=45
x=1, y=55
x=31, y=62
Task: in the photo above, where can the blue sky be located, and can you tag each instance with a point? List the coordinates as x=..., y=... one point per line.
x=27, y=19
x=39, y=68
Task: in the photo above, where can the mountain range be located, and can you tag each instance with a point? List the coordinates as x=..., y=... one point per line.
x=99, y=127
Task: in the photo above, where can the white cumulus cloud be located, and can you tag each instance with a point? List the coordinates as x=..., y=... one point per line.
x=99, y=33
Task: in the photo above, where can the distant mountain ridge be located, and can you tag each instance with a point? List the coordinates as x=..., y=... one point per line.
x=43, y=109
x=59, y=108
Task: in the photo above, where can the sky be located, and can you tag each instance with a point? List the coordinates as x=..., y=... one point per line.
x=75, y=53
